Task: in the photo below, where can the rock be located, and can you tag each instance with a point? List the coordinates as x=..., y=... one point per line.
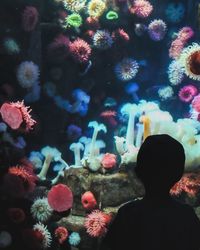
x=110, y=190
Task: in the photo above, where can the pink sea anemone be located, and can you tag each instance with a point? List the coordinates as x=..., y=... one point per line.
x=80, y=50
x=175, y=49
x=16, y=113
x=185, y=34
x=29, y=18
x=109, y=117
x=121, y=35
x=96, y=223
x=88, y=200
x=59, y=49
x=141, y=8
x=187, y=93
x=109, y=161
x=60, y=198
x=61, y=233
x=196, y=103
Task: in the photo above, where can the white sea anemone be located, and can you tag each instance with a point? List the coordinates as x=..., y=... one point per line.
x=41, y=211
x=46, y=242
x=165, y=92
x=27, y=74
x=175, y=73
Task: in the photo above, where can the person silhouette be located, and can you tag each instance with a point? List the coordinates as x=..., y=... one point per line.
x=156, y=221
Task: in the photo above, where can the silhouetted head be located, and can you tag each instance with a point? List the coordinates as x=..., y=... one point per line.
x=160, y=162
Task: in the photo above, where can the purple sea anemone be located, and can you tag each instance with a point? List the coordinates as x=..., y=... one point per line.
x=73, y=132
x=102, y=40
x=187, y=93
x=157, y=29
x=126, y=70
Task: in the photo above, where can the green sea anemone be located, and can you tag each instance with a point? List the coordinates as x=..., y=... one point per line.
x=112, y=15
x=74, y=20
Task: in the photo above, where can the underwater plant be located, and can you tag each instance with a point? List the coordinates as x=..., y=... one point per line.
x=127, y=69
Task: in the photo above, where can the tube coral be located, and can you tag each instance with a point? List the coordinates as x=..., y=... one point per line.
x=80, y=50
x=29, y=18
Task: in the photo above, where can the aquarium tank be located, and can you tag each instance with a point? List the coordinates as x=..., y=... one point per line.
x=82, y=84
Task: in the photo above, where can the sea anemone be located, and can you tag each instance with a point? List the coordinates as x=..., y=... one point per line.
x=96, y=8
x=112, y=15
x=15, y=113
x=175, y=12
x=80, y=50
x=109, y=161
x=29, y=18
x=46, y=236
x=141, y=8
x=41, y=211
x=61, y=234
x=59, y=49
x=165, y=92
x=175, y=73
x=11, y=46
x=73, y=132
x=27, y=74
x=60, y=198
x=102, y=40
x=121, y=35
x=16, y=215
x=185, y=34
x=109, y=117
x=187, y=93
x=74, y=5
x=196, y=103
x=74, y=239
x=5, y=239
x=127, y=69
x=74, y=20
x=157, y=29
x=88, y=200
x=190, y=60
x=95, y=223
